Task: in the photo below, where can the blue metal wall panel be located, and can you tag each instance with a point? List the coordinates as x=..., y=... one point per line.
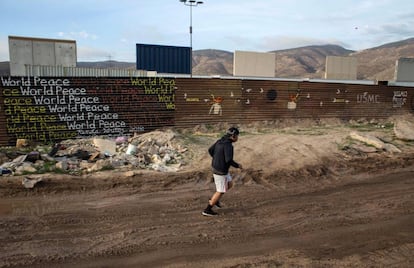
x=164, y=59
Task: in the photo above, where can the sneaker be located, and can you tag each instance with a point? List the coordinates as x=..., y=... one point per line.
x=218, y=204
x=209, y=213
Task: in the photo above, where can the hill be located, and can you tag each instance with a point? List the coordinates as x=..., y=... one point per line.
x=212, y=62
x=376, y=63
x=306, y=61
x=107, y=64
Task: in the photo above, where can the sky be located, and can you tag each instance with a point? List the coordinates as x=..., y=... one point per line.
x=109, y=30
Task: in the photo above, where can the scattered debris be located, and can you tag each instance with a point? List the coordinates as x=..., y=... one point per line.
x=130, y=173
x=368, y=139
x=372, y=144
x=29, y=183
x=154, y=150
x=21, y=143
x=32, y=157
x=55, y=149
x=4, y=171
x=404, y=130
x=108, y=147
x=132, y=149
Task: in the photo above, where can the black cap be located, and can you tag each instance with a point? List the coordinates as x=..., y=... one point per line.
x=233, y=131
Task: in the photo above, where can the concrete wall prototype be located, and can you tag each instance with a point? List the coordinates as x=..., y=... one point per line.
x=37, y=51
x=21, y=53
x=404, y=70
x=341, y=68
x=48, y=109
x=254, y=64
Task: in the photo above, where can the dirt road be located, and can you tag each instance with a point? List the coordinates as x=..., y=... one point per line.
x=320, y=216
x=305, y=199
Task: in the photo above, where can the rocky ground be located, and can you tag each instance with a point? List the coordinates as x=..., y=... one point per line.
x=312, y=194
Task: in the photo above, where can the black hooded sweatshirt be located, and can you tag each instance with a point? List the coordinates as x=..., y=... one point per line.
x=222, y=153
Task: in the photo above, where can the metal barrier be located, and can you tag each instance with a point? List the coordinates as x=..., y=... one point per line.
x=60, y=71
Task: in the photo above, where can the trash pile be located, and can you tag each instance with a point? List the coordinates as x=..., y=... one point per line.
x=157, y=150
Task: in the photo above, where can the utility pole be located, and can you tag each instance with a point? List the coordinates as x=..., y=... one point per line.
x=191, y=4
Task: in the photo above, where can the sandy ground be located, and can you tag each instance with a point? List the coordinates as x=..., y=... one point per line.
x=304, y=199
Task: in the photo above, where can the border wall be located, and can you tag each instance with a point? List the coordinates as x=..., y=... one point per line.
x=61, y=71
x=25, y=51
x=49, y=109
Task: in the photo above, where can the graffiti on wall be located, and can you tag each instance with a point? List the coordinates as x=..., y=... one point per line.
x=271, y=94
x=162, y=88
x=367, y=98
x=293, y=100
x=47, y=109
x=28, y=106
x=399, y=99
x=341, y=96
x=215, y=107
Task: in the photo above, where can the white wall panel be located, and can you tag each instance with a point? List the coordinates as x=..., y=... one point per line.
x=341, y=68
x=404, y=70
x=254, y=64
x=27, y=51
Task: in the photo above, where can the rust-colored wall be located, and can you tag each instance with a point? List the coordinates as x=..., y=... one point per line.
x=195, y=99
x=253, y=100
x=49, y=109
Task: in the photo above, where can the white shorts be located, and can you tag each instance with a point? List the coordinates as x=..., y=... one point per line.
x=222, y=182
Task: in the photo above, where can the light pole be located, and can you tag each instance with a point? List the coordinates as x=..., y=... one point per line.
x=191, y=4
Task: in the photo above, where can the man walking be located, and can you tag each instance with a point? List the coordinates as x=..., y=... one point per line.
x=222, y=153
